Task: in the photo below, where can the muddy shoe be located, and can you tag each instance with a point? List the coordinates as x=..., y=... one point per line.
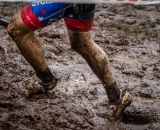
x=38, y=88
x=116, y=111
x=51, y=85
x=34, y=88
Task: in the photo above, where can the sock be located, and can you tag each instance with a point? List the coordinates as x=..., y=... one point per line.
x=113, y=93
x=45, y=76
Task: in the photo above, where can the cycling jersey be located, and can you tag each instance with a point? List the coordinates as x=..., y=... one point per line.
x=78, y=17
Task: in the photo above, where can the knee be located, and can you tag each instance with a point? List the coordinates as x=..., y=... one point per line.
x=16, y=27
x=13, y=26
x=77, y=44
x=80, y=41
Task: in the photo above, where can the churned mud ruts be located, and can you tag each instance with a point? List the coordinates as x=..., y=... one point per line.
x=130, y=35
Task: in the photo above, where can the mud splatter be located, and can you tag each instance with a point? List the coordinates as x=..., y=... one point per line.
x=128, y=34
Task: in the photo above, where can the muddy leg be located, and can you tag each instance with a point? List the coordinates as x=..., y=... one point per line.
x=30, y=47
x=98, y=61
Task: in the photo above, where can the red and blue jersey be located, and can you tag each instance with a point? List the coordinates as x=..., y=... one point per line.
x=77, y=17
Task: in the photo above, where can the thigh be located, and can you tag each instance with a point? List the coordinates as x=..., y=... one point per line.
x=80, y=18
x=40, y=14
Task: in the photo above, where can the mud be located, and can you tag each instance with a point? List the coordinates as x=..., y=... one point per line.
x=130, y=35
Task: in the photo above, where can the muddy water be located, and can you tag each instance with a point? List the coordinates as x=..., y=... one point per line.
x=130, y=35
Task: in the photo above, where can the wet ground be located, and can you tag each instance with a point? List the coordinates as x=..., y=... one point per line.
x=130, y=35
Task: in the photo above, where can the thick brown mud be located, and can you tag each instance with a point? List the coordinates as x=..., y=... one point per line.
x=130, y=35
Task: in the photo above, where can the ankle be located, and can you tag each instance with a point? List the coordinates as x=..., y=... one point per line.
x=45, y=76
x=113, y=93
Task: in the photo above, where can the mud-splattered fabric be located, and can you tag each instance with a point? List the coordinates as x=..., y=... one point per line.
x=78, y=17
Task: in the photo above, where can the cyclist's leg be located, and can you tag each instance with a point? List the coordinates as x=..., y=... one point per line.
x=21, y=29
x=79, y=29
